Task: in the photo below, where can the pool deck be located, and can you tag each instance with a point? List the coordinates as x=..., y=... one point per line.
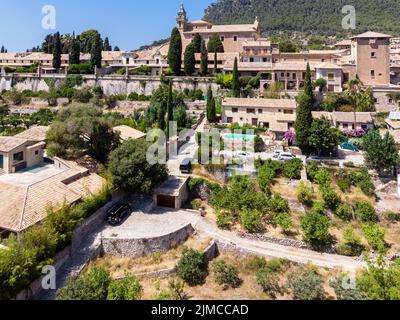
x=31, y=176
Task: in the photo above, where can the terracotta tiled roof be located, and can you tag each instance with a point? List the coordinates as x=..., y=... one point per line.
x=227, y=28
x=328, y=65
x=393, y=124
x=346, y=42
x=259, y=103
x=129, y=133
x=362, y=117
x=26, y=205
x=371, y=34
x=10, y=143
x=34, y=134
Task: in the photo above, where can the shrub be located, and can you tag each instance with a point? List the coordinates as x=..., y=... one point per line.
x=367, y=187
x=284, y=221
x=257, y=263
x=312, y=170
x=344, y=185
x=224, y=219
x=196, y=204
x=331, y=198
x=304, y=194
x=269, y=282
x=175, y=292
x=351, y=245
x=192, y=267
x=345, y=212
x=226, y=275
x=392, y=216
x=265, y=176
x=251, y=220
x=319, y=207
x=83, y=96
x=111, y=101
x=83, y=68
x=125, y=289
x=306, y=284
x=292, y=169
x=323, y=177
x=278, y=204
x=365, y=212
x=375, y=236
x=315, y=228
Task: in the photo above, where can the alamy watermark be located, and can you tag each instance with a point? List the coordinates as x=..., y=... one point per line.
x=349, y=21
x=49, y=17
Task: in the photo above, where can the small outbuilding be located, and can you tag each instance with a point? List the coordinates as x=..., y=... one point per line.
x=172, y=193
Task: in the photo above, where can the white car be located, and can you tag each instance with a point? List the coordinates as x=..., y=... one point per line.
x=277, y=153
x=285, y=156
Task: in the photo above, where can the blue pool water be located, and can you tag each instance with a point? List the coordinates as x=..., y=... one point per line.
x=239, y=136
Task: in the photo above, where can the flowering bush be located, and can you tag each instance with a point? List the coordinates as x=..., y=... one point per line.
x=358, y=133
x=290, y=136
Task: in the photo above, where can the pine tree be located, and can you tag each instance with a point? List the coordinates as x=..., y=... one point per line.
x=197, y=43
x=3, y=49
x=235, y=80
x=189, y=61
x=95, y=55
x=303, y=122
x=308, y=85
x=107, y=46
x=57, y=50
x=204, y=59
x=75, y=55
x=215, y=44
x=116, y=48
x=175, y=52
x=170, y=106
x=161, y=116
x=215, y=63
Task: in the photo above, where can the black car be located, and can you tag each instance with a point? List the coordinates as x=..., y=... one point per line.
x=186, y=166
x=117, y=213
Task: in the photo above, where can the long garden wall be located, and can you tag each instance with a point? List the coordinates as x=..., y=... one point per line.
x=110, y=84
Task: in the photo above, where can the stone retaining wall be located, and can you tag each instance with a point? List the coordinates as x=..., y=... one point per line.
x=141, y=247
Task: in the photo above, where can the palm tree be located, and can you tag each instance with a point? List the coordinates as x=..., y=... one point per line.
x=353, y=93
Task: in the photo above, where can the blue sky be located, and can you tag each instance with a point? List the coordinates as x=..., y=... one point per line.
x=128, y=23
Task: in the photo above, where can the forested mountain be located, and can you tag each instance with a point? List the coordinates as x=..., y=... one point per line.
x=308, y=16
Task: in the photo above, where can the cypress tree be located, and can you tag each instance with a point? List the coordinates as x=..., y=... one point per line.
x=2, y=49
x=204, y=59
x=197, y=43
x=170, y=107
x=107, y=46
x=215, y=44
x=215, y=63
x=235, y=80
x=175, y=52
x=161, y=116
x=189, y=60
x=303, y=122
x=211, y=110
x=95, y=55
x=57, y=51
x=75, y=55
x=116, y=48
x=308, y=85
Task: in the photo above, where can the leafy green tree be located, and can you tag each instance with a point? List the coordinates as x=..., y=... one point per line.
x=88, y=38
x=306, y=284
x=315, y=228
x=130, y=169
x=292, y=169
x=175, y=52
x=322, y=139
x=170, y=106
x=180, y=116
x=126, y=289
x=197, y=40
x=381, y=281
x=266, y=175
x=345, y=212
x=175, y=291
x=162, y=125
x=203, y=59
x=251, y=220
x=284, y=221
x=92, y=285
x=235, y=80
x=226, y=275
x=286, y=44
x=96, y=52
x=305, y=194
x=351, y=245
x=79, y=129
x=321, y=84
x=303, y=122
x=381, y=152
x=215, y=44
x=189, y=60
x=75, y=53
x=192, y=267
x=375, y=236
x=57, y=51
x=365, y=212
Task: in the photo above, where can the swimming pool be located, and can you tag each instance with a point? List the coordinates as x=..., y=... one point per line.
x=233, y=136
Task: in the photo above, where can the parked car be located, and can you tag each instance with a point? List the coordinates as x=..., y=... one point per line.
x=349, y=146
x=285, y=156
x=186, y=166
x=117, y=213
x=277, y=153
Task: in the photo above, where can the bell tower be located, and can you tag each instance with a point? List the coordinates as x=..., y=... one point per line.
x=182, y=18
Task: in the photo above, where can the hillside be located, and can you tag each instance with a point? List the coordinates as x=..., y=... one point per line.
x=307, y=16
